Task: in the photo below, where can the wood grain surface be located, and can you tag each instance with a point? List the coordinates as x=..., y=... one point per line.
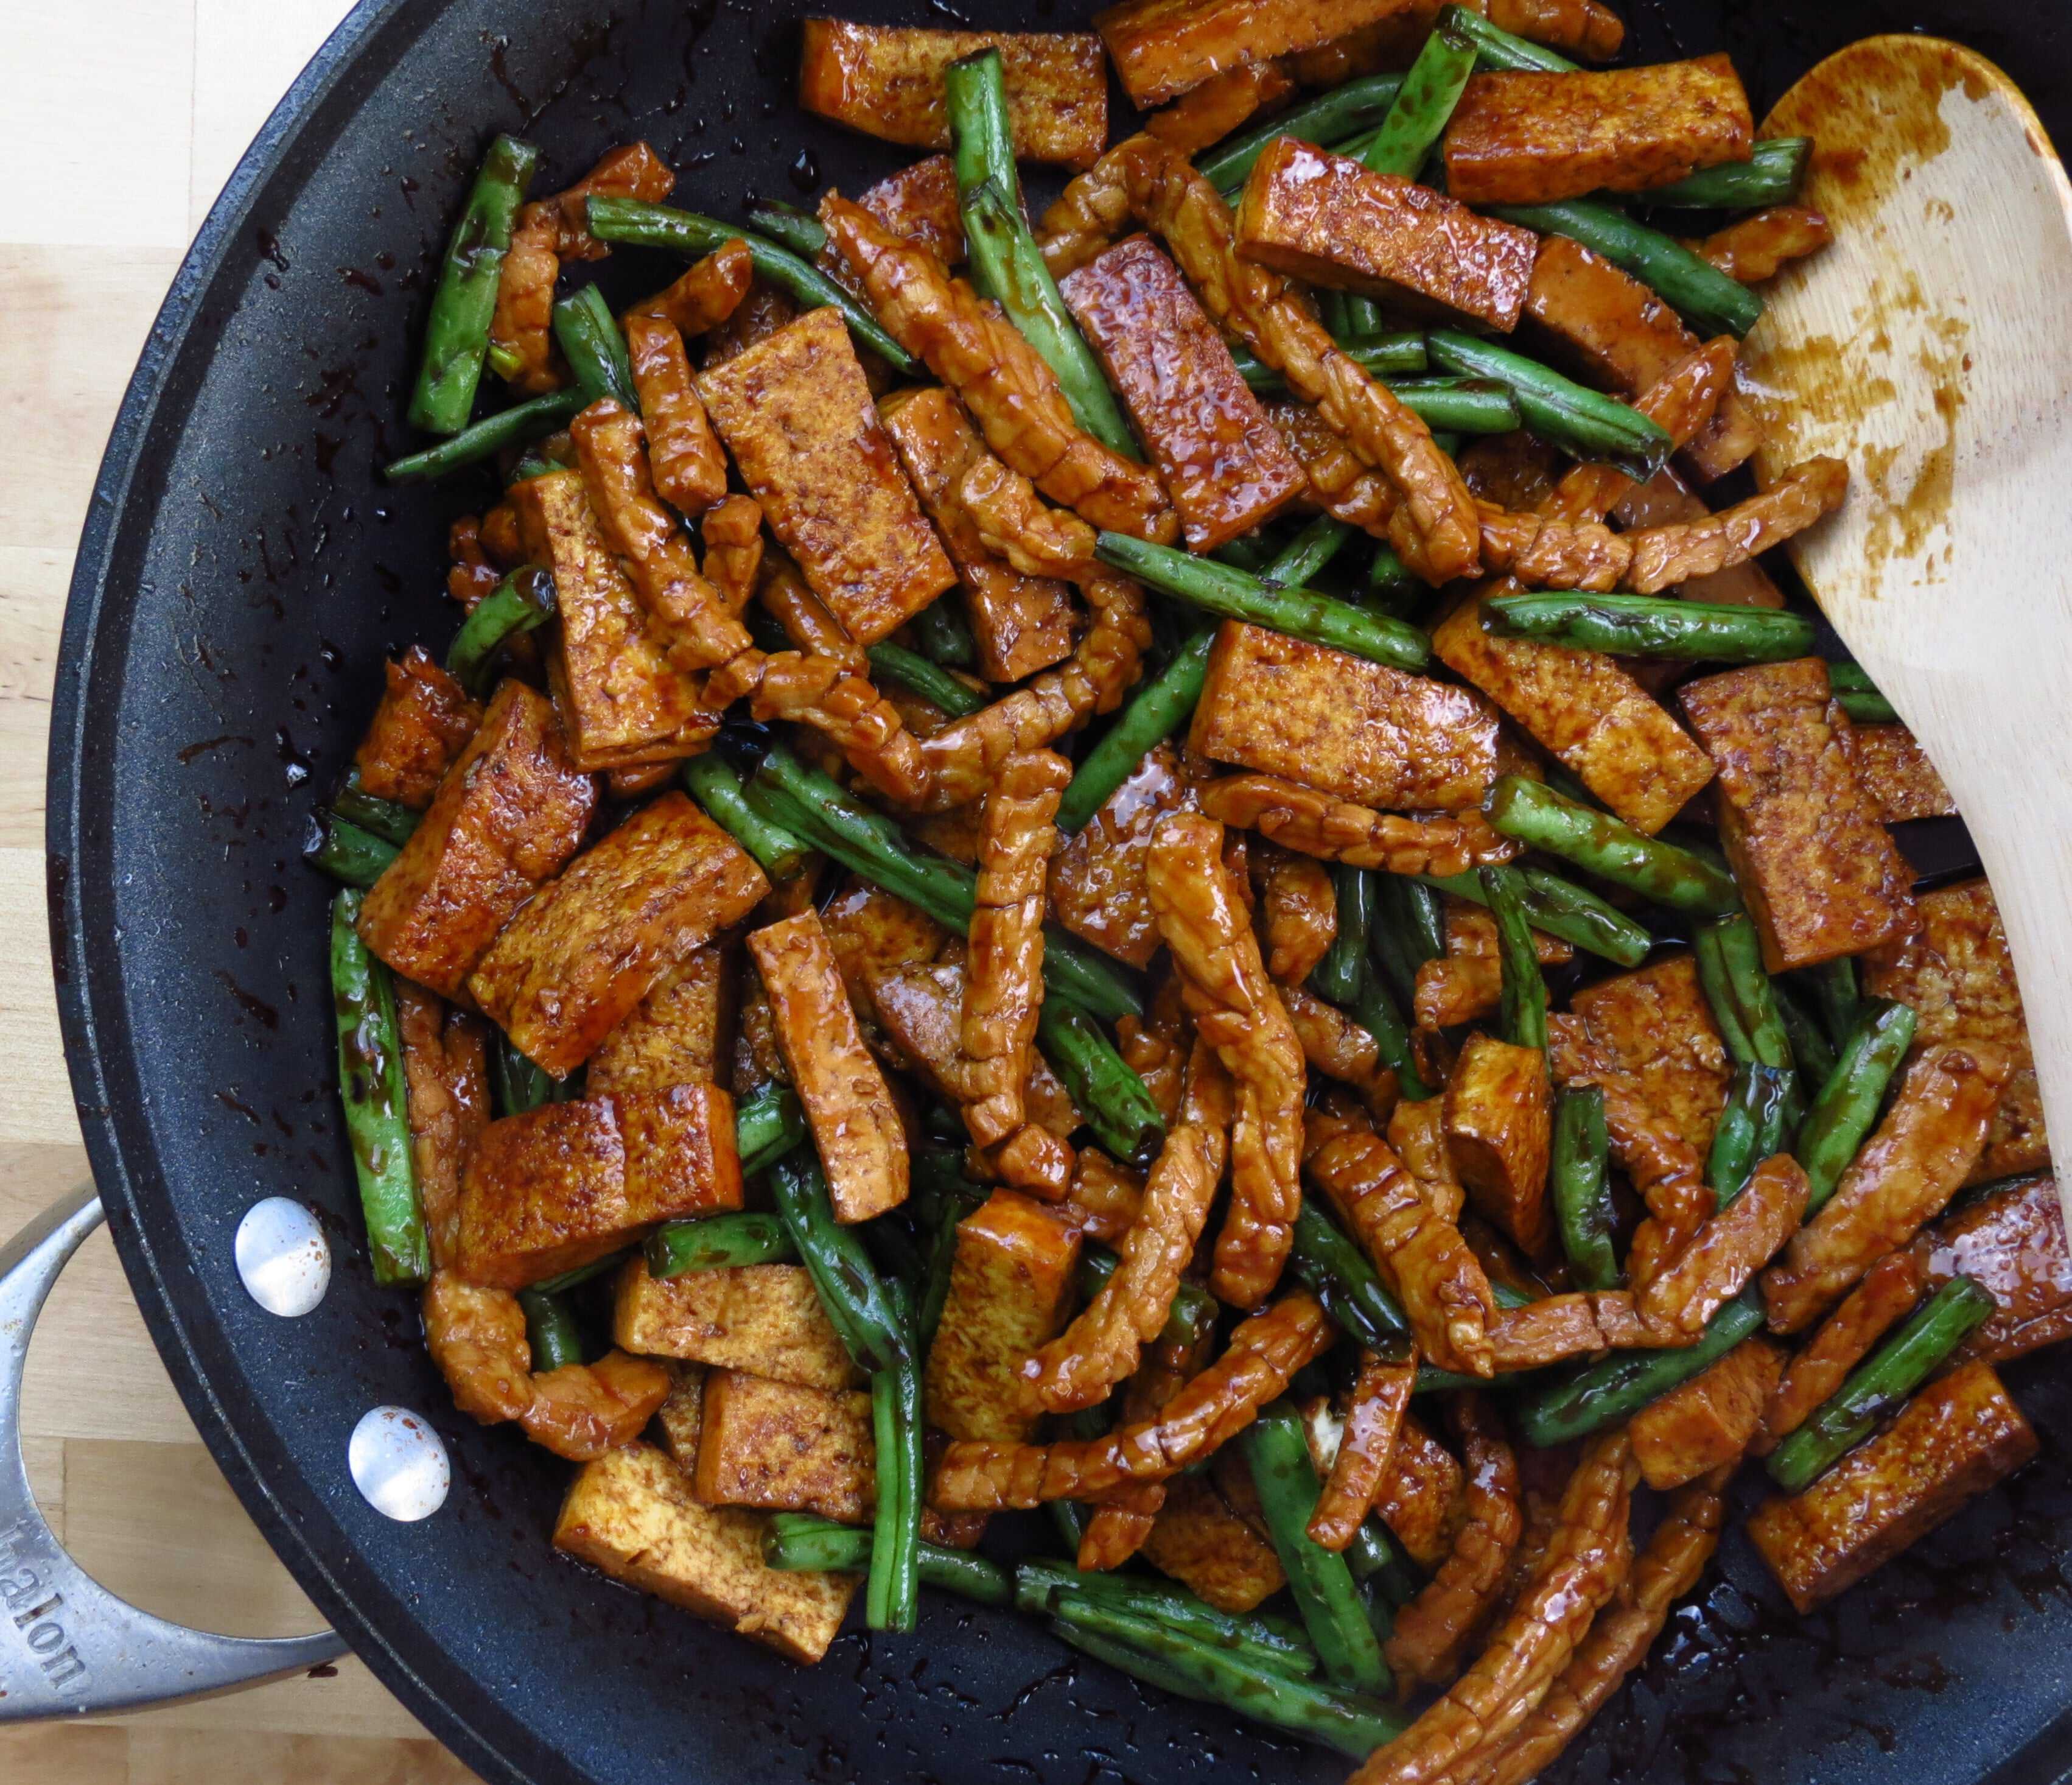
x=136, y=113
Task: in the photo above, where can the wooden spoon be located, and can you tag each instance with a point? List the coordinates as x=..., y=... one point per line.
x=1931, y=346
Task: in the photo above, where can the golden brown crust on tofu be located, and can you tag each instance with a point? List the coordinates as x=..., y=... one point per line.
x=785, y=1448
x=1887, y=1295
x=511, y=811
x=683, y=452
x=1653, y=1026
x=1708, y=1421
x=447, y=1088
x=1224, y=464
x=886, y=80
x=1020, y=624
x=424, y=722
x=1821, y=877
x=674, y=1035
x=1201, y=1542
x=555, y=1187
x=707, y=293
x=1896, y=775
x=1500, y=1117
x=1164, y=47
x=919, y=203
x=796, y=413
x=1528, y=138
x=1331, y=221
x=1097, y=889
x=1957, y=1438
x=766, y=1319
x=850, y=1108
x=631, y=1513
x=1360, y=730
x=591, y=944
x=1010, y=1284
x=1957, y=973
x=621, y=701
x=2013, y=1242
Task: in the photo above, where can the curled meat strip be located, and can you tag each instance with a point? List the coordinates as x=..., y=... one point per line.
x=733, y=535
x=1014, y=522
x=1155, y=1046
x=1886, y=1296
x=631, y=171
x=976, y=1475
x=847, y=711
x=1301, y=818
x=1381, y=1396
x=1574, y=1325
x=1114, y=1533
x=687, y=462
x=1721, y=1258
x=1237, y=1010
x=1103, y=1200
x=1298, y=917
x=582, y=1410
x=805, y=616
x=1339, y=484
x=1090, y=214
x=521, y=331
x=445, y=1078
x=709, y=291
x=1010, y=392
x=1336, y=1045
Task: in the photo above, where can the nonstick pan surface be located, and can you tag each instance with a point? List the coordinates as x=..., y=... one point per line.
x=243, y=575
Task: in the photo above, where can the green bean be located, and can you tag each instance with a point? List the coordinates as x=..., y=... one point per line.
x=550, y=1330
x=371, y=1088
x=1332, y=313
x=1398, y=354
x=1308, y=553
x=943, y=637
x=1772, y=174
x=891, y=1593
x=1330, y=118
x=1268, y=1641
x=1567, y=415
x=1364, y=317
x=1811, y=1052
x=639, y=224
x=1430, y=91
x=1193, y=1306
x=1580, y=1187
x=718, y=788
x=788, y=226
x=801, y=1542
x=912, y=671
x=1376, y=1012
x=487, y=437
x=1846, y=1107
x=1253, y=551
x=1751, y=1129
x=1730, y=968
x=1498, y=49
x=1112, y=1097
x=516, y=1084
x=589, y=339
x=939, y=1214
x=1881, y=1382
x=1653, y=626
x=717, y=1242
x=1413, y=909
x=562, y=1281
x=1336, y=978
x=382, y=818
x=1158, y=708
x=1524, y=1021
x=1388, y=575
x=1853, y=691
x=1562, y=909
x=858, y=1303
x=1835, y=990
x=351, y=856
x=1300, y=613
x=1713, y=303
x=1599, y=844
x=1465, y=405
x=457, y=332
x=1337, y=1274
x=1332, y=1612
x=1577, y=1403
x=523, y=600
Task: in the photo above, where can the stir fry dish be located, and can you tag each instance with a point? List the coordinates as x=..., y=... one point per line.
x=1178, y=869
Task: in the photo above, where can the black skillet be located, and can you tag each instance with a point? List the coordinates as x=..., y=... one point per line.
x=243, y=573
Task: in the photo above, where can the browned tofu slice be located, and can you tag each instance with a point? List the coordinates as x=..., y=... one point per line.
x=1010, y=1284
x=921, y=1010
x=1020, y=624
x=591, y=945
x=1499, y=1126
x=795, y=411
x=2011, y=1240
x=1528, y=138
x=631, y=1513
x=511, y=811
x=424, y=722
x=1821, y=877
x=848, y=1107
x=1332, y=720
x=918, y=203
x=766, y=1319
x=1708, y=1421
x=623, y=702
x=785, y=1448
x=886, y=80
x=1162, y=48
x=1328, y=220
x=1957, y=1438
x=1199, y=1540
x=1616, y=738
x=1655, y=1027
x=1097, y=888
x=873, y=932
x=1896, y=774
x=1224, y=464
x=674, y=1035
x=1423, y=1498
x=557, y=1187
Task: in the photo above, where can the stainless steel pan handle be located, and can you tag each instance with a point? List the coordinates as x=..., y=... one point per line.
x=68, y=1646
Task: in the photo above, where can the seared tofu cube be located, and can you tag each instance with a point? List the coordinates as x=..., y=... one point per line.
x=511, y=811
x=673, y=1036
x=1010, y=1284
x=1020, y=624
x=1499, y=1126
x=1530, y=139
x=1332, y=720
x=848, y=1107
x=1332, y=221
x=1606, y=728
x=921, y=1010
x=1222, y=461
x=1424, y=1497
x=1201, y=1542
x=1955, y=971
x=631, y=1513
x=555, y=1187
x=1821, y=878
x=2011, y=1241
x=1958, y=1437
x=795, y=409
x=424, y=722
x=785, y=1448
x=1655, y=1027
x=1097, y=887
x=918, y=203
x=1896, y=775
x=1163, y=47
x=766, y=1319
x=886, y=80
x=1707, y=1421
x=623, y=702
x=591, y=945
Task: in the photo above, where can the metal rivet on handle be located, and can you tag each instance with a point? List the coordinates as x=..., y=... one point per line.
x=399, y=1464
x=283, y=1258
